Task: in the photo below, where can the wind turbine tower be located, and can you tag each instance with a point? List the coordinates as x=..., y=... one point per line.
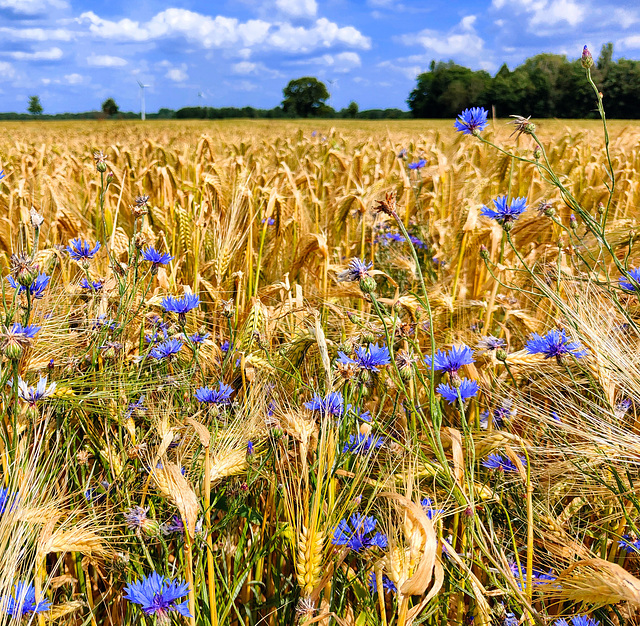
x=142, y=111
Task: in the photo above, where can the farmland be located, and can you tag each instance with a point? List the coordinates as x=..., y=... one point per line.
x=444, y=429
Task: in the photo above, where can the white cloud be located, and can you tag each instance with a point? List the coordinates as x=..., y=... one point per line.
x=629, y=43
x=32, y=7
x=73, y=79
x=36, y=34
x=178, y=74
x=226, y=32
x=104, y=60
x=298, y=8
x=244, y=67
x=6, y=71
x=52, y=54
x=408, y=71
x=461, y=41
x=546, y=12
x=342, y=62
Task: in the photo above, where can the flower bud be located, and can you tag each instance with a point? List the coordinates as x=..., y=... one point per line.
x=101, y=166
x=587, y=59
x=573, y=222
x=537, y=153
x=601, y=208
x=501, y=355
x=506, y=226
x=484, y=253
x=368, y=284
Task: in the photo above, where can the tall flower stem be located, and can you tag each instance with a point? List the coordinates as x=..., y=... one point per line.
x=211, y=572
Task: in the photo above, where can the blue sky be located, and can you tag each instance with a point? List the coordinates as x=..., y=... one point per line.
x=76, y=53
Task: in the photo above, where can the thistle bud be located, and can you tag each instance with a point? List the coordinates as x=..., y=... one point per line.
x=368, y=284
x=587, y=59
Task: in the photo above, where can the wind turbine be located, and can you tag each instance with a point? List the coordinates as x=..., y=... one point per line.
x=142, y=111
x=332, y=83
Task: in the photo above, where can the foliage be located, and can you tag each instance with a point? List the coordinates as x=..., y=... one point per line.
x=109, y=107
x=35, y=107
x=305, y=97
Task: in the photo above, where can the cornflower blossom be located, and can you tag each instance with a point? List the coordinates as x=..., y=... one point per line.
x=222, y=395
x=554, y=344
x=621, y=408
x=417, y=165
x=362, y=444
x=626, y=284
x=504, y=212
x=181, y=306
x=467, y=389
x=23, y=601
x=333, y=404
x=577, y=620
x=488, y=343
x=501, y=463
x=156, y=258
x=430, y=512
x=157, y=596
x=80, y=250
x=7, y=500
x=35, y=289
x=387, y=584
x=94, y=285
x=167, y=349
x=371, y=358
x=505, y=411
x=629, y=545
x=250, y=448
x=2, y=174
x=451, y=361
x=32, y=395
x=198, y=338
x=16, y=338
x=472, y=121
x=537, y=576
x=358, y=269
x=357, y=534
x=136, y=518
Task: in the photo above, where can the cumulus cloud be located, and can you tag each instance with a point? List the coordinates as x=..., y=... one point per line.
x=461, y=41
x=342, y=62
x=36, y=34
x=32, y=7
x=73, y=79
x=52, y=54
x=104, y=60
x=546, y=12
x=408, y=70
x=298, y=8
x=6, y=71
x=226, y=32
x=178, y=74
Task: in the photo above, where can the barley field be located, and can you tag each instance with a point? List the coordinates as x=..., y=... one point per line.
x=309, y=372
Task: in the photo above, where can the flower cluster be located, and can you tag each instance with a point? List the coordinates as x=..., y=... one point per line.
x=357, y=533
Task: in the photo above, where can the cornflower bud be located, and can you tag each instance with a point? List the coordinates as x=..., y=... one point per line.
x=101, y=161
x=601, y=208
x=501, y=355
x=484, y=253
x=587, y=59
x=573, y=222
x=537, y=153
x=368, y=284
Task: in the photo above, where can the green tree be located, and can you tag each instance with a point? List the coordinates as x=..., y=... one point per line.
x=35, y=106
x=305, y=97
x=109, y=107
x=351, y=112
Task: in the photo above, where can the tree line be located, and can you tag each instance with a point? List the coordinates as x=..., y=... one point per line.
x=546, y=85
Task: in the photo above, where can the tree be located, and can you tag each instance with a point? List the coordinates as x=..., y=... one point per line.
x=352, y=110
x=35, y=106
x=305, y=97
x=109, y=107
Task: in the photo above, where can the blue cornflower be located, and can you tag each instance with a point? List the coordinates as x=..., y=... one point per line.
x=167, y=349
x=250, y=448
x=373, y=357
x=467, y=389
x=505, y=411
x=80, y=250
x=157, y=596
x=37, y=287
x=359, y=535
x=333, y=404
x=7, y=499
x=198, y=337
x=451, y=361
x=629, y=545
x=537, y=576
x=488, y=343
x=499, y=462
x=362, y=444
x=226, y=346
x=94, y=285
x=417, y=165
x=505, y=213
x=221, y=395
x=156, y=258
x=577, y=620
x=419, y=244
x=472, y=121
x=387, y=584
x=23, y=601
x=180, y=305
x=268, y=221
x=402, y=153
x=554, y=344
x=2, y=174
x=357, y=270
x=626, y=284
x=427, y=505
x=32, y=395
x=27, y=332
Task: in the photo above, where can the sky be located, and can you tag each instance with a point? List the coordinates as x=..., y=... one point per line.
x=74, y=54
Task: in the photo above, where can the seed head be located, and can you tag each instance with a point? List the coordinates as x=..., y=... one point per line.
x=388, y=205
x=101, y=160
x=522, y=125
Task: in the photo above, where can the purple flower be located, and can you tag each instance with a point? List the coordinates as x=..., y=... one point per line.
x=357, y=533
x=80, y=250
x=505, y=213
x=156, y=258
x=33, y=395
x=629, y=545
x=357, y=270
x=23, y=601
x=221, y=395
x=489, y=343
x=472, y=121
x=451, y=361
x=417, y=165
x=94, y=285
x=501, y=463
x=467, y=389
x=387, y=584
x=373, y=357
x=554, y=344
x=577, y=620
x=157, y=596
x=626, y=284
x=2, y=174
x=427, y=505
x=37, y=287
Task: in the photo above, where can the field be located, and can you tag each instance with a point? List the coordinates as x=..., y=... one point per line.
x=254, y=416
